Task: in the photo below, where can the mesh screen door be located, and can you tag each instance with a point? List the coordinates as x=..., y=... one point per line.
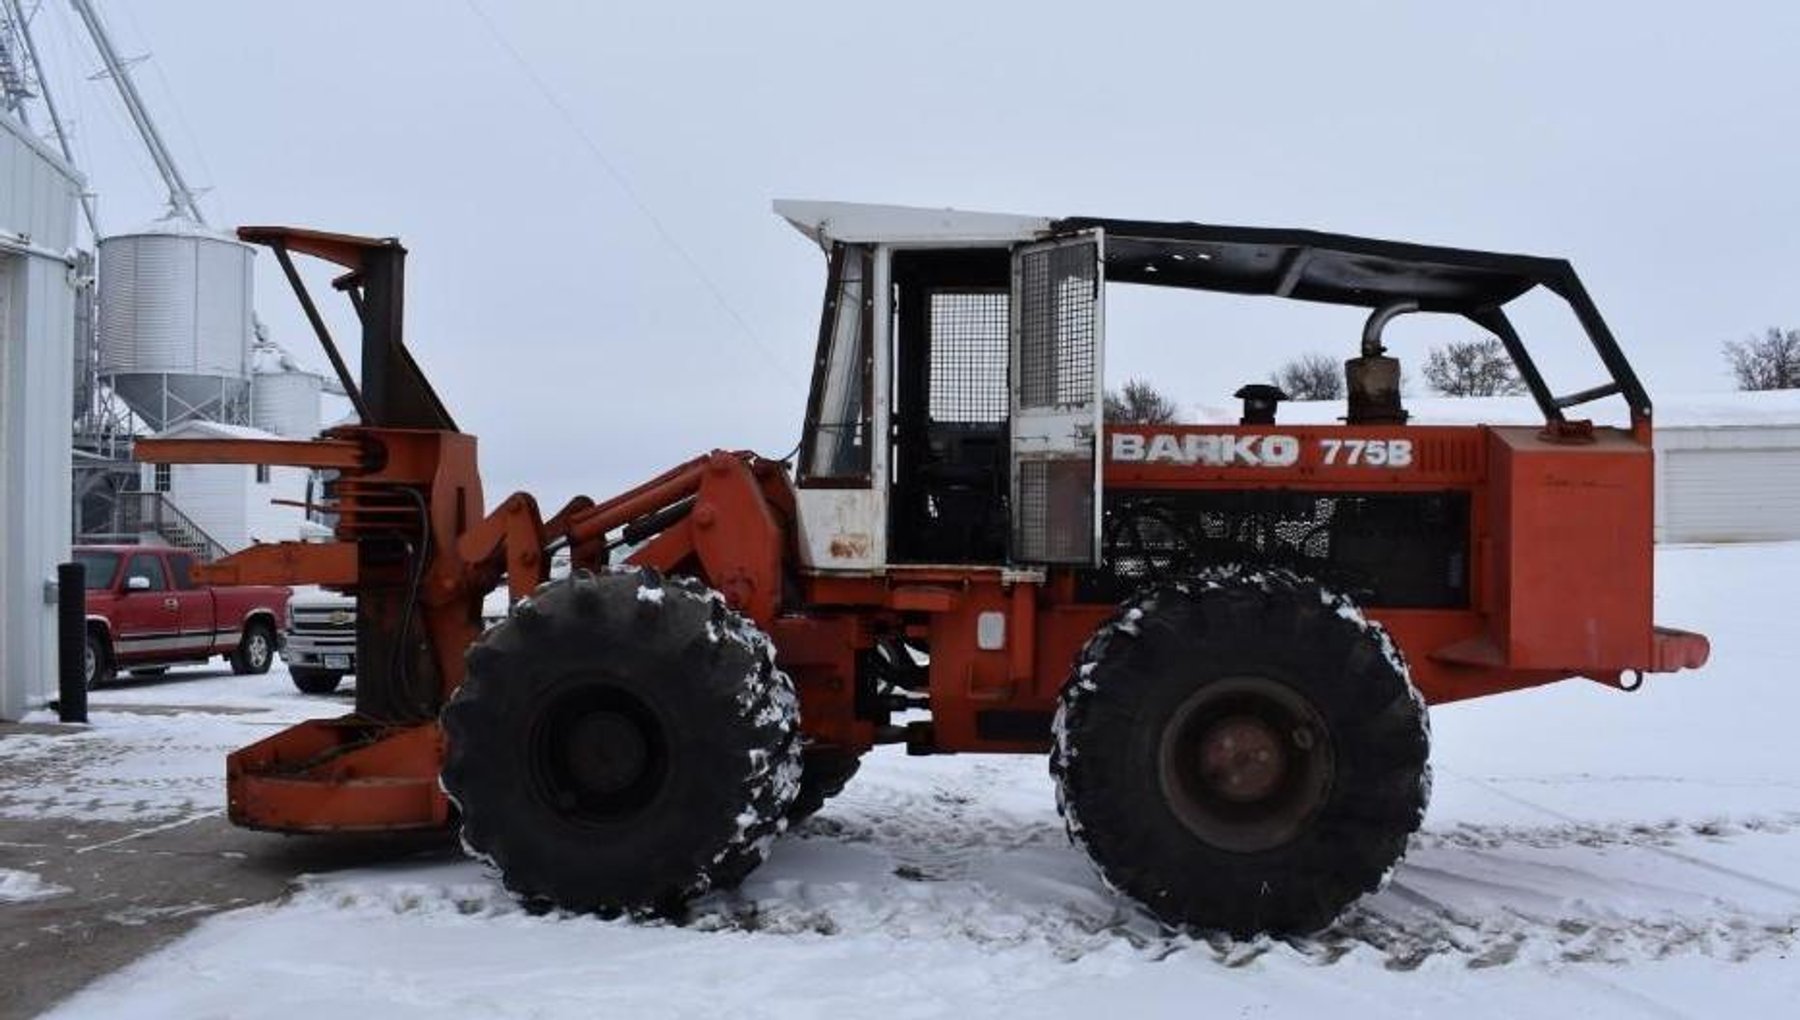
x=1057, y=324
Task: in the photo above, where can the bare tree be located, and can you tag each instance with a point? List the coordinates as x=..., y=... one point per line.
x=1768, y=362
x=1311, y=377
x=1139, y=403
x=1472, y=368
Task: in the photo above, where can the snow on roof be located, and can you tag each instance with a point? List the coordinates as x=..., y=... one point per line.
x=826, y=222
x=217, y=429
x=1696, y=410
x=1767, y=407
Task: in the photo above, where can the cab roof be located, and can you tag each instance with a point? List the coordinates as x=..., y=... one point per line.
x=1305, y=265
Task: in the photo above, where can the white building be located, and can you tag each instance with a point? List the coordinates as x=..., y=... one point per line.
x=232, y=504
x=38, y=286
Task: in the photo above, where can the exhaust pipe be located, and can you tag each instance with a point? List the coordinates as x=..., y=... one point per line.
x=1373, y=380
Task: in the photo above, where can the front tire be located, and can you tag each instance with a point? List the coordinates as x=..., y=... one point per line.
x=255, y=650
x=1242, y=754
x=622, y=743
x=314, y=681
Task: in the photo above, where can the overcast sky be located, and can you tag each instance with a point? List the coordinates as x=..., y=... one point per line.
x=599, y=290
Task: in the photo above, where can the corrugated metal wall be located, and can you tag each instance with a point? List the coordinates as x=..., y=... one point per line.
x=1728, y=484
x=37, y=222
x=286, y=403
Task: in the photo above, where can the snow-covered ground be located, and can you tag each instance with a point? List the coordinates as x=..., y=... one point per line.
x=1588, y=852
x=155, y=752
x=24, y=886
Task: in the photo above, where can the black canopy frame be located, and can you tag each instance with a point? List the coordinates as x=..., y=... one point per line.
x=1340, y=269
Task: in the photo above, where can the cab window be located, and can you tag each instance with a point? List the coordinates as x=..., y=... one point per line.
x=837, y=439
x=181, y=571
x=147, y=565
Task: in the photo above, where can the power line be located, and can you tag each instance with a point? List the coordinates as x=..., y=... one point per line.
x=580, y=132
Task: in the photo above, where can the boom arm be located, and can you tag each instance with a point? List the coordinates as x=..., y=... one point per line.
x=415, y=548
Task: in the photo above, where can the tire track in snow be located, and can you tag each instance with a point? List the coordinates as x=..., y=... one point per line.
x=1651, y=846
x=935, y=862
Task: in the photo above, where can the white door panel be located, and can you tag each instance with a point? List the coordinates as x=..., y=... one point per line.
x=842, y=529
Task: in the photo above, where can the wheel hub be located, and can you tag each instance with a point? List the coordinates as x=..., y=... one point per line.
x=599, y=754
x=607, y=752
x=1245, y=762
x=1241, y=759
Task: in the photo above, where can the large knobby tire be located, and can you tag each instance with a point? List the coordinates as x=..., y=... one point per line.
x=622, y=743
x=1243, y=753
x=315, y=681
x=824, y=776
x=255, y=651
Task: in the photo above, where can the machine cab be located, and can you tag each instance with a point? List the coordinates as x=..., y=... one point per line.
x=955, y=410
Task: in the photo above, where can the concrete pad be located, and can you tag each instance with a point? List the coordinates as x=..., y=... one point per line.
x=127, y=816
x=135, y=889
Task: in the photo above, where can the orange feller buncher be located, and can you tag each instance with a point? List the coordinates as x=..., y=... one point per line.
x=1224, y=636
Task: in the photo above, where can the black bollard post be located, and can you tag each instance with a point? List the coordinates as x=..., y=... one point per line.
x=71, y=642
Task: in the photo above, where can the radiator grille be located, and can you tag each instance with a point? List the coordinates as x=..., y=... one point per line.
x=1383, y=549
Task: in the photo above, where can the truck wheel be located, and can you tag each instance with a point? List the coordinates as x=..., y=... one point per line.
x=822, y=777
x=1244, y=753
x=256, y=651
x=314, y=681
x=622, y=743
x=98, y=667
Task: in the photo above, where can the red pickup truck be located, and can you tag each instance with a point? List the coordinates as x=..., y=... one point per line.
x=145, y=614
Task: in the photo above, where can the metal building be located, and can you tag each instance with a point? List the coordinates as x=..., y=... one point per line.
x=39, y=287
x=1728, y=469
x=213, y=509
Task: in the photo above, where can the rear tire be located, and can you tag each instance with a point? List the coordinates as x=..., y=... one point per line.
x=623, y=743
x=1243, y=754
x=255, y=650
x=823, y=777
x=315, y=681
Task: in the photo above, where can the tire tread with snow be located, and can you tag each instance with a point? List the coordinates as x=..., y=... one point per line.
x=623, y=742
x=1351, y=787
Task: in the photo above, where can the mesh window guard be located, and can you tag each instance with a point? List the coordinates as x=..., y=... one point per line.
x=968, y=355
x=1059, y=288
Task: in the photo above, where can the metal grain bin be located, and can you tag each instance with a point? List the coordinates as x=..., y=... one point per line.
x=286, y=403
x=175, y=322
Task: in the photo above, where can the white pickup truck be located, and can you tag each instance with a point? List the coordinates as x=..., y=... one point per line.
x=320, y=645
